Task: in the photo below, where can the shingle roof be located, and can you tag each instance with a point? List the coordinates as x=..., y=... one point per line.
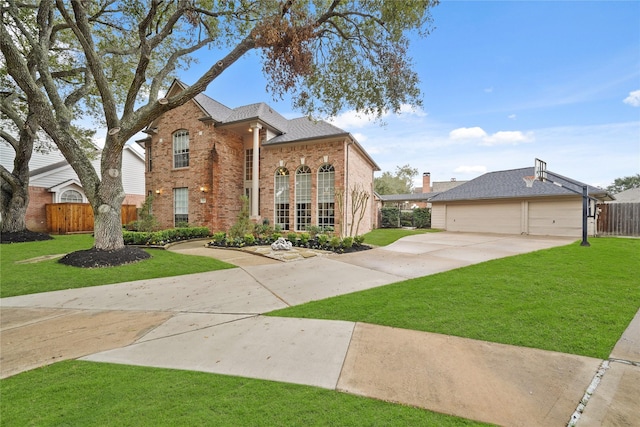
x=216, y=110
x=413, y=197
x=304, y=128
x=628, y=196
x=510, y=184
x=259, y=111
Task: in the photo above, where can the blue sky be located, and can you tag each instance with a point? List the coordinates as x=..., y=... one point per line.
x=503, y=82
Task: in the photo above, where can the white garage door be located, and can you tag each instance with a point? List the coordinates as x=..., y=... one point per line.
x=555, y=218
x=502, y=218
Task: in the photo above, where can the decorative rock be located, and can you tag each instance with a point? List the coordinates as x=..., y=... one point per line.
x=281, y=244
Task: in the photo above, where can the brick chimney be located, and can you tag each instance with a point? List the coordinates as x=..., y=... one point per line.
x=426, y=182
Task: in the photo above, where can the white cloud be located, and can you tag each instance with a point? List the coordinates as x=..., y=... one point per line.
x=489, y=90
x=467, y=133
x=410, y=109
x=512, y=116
x=499, y=138
x=352, y=119
x=507, y=138
x=633, y=99
x=471, y=169
x=360, y=137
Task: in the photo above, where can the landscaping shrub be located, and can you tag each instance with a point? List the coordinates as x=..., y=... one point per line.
x=406, y=218
x=422, y=218
x=163, y=237
x=390, y=217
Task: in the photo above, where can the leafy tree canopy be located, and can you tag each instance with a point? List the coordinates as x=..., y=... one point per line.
x=625, y=183
x=118, y=55
x=399, y=183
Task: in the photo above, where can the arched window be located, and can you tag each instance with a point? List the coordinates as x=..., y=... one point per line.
x=181, y=149
x=303, y=198
x=326, y=191
x=71, y=196
x=282, y=198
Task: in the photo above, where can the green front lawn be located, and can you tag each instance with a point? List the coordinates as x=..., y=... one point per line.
x=570, y=299
x=386, y=236
x=27, y=278
x=96, y=394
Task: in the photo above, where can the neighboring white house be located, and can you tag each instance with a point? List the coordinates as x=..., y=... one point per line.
x=53, y=180
x=501, y=202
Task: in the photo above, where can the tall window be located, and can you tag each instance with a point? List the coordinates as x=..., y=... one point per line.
x=303, y=198
x=326, y=191
x=181, y=149
x=248, y=164
x=180, y=206
x=282, y=198
x=71, y=196
x=150, y=164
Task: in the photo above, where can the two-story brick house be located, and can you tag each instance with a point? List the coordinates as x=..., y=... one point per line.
x=203, y=157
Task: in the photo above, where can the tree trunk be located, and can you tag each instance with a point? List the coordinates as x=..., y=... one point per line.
x=107, y=210
x=14, y=209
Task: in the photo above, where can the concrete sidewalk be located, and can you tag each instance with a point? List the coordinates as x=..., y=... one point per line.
x=212, y=322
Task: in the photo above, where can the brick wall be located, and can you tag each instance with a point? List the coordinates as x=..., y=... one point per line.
x=360, y=175
x=215, y=164
x=36, y=216
x=290, y=155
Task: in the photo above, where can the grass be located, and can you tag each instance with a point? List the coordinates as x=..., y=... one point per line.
x=76, y=393
x=49, y=275
x=386, y=236
x=570, y=299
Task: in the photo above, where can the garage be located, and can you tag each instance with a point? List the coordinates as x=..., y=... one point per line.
x=484, y=217
x=501, y=202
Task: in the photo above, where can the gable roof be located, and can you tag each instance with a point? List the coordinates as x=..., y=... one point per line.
x=509, y=184
x=259, y=111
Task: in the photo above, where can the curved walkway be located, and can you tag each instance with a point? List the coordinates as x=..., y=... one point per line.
x=212, y=322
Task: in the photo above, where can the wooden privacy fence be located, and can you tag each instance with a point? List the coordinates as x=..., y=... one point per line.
x=63, y=218
x=619, y=219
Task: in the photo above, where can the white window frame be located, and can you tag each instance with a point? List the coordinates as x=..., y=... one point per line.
x=181, y=149
x=303, y=198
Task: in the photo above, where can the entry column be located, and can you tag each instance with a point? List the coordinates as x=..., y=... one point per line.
x=255, y=175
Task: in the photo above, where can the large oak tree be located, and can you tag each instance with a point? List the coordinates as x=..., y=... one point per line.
x=328, y=55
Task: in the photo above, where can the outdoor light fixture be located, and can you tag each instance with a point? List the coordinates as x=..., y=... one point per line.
x=203, y=189
x=158, y=191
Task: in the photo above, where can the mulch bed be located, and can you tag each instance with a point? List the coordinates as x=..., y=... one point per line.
x=23, y=236
x=92, y=258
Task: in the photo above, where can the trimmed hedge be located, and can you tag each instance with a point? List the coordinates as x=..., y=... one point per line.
x=302, y=240
x=163, y=237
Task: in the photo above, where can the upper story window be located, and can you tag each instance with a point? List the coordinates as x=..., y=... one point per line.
x=181, y=149
x=71, y=196
x=149, y=159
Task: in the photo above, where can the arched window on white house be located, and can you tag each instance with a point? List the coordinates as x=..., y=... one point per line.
x=303, y=198
x=326, y=192
x=181, y=149
x=71, y=196
x=281, y=207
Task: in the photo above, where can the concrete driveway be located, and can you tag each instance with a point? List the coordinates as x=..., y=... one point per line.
x=212, y=322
